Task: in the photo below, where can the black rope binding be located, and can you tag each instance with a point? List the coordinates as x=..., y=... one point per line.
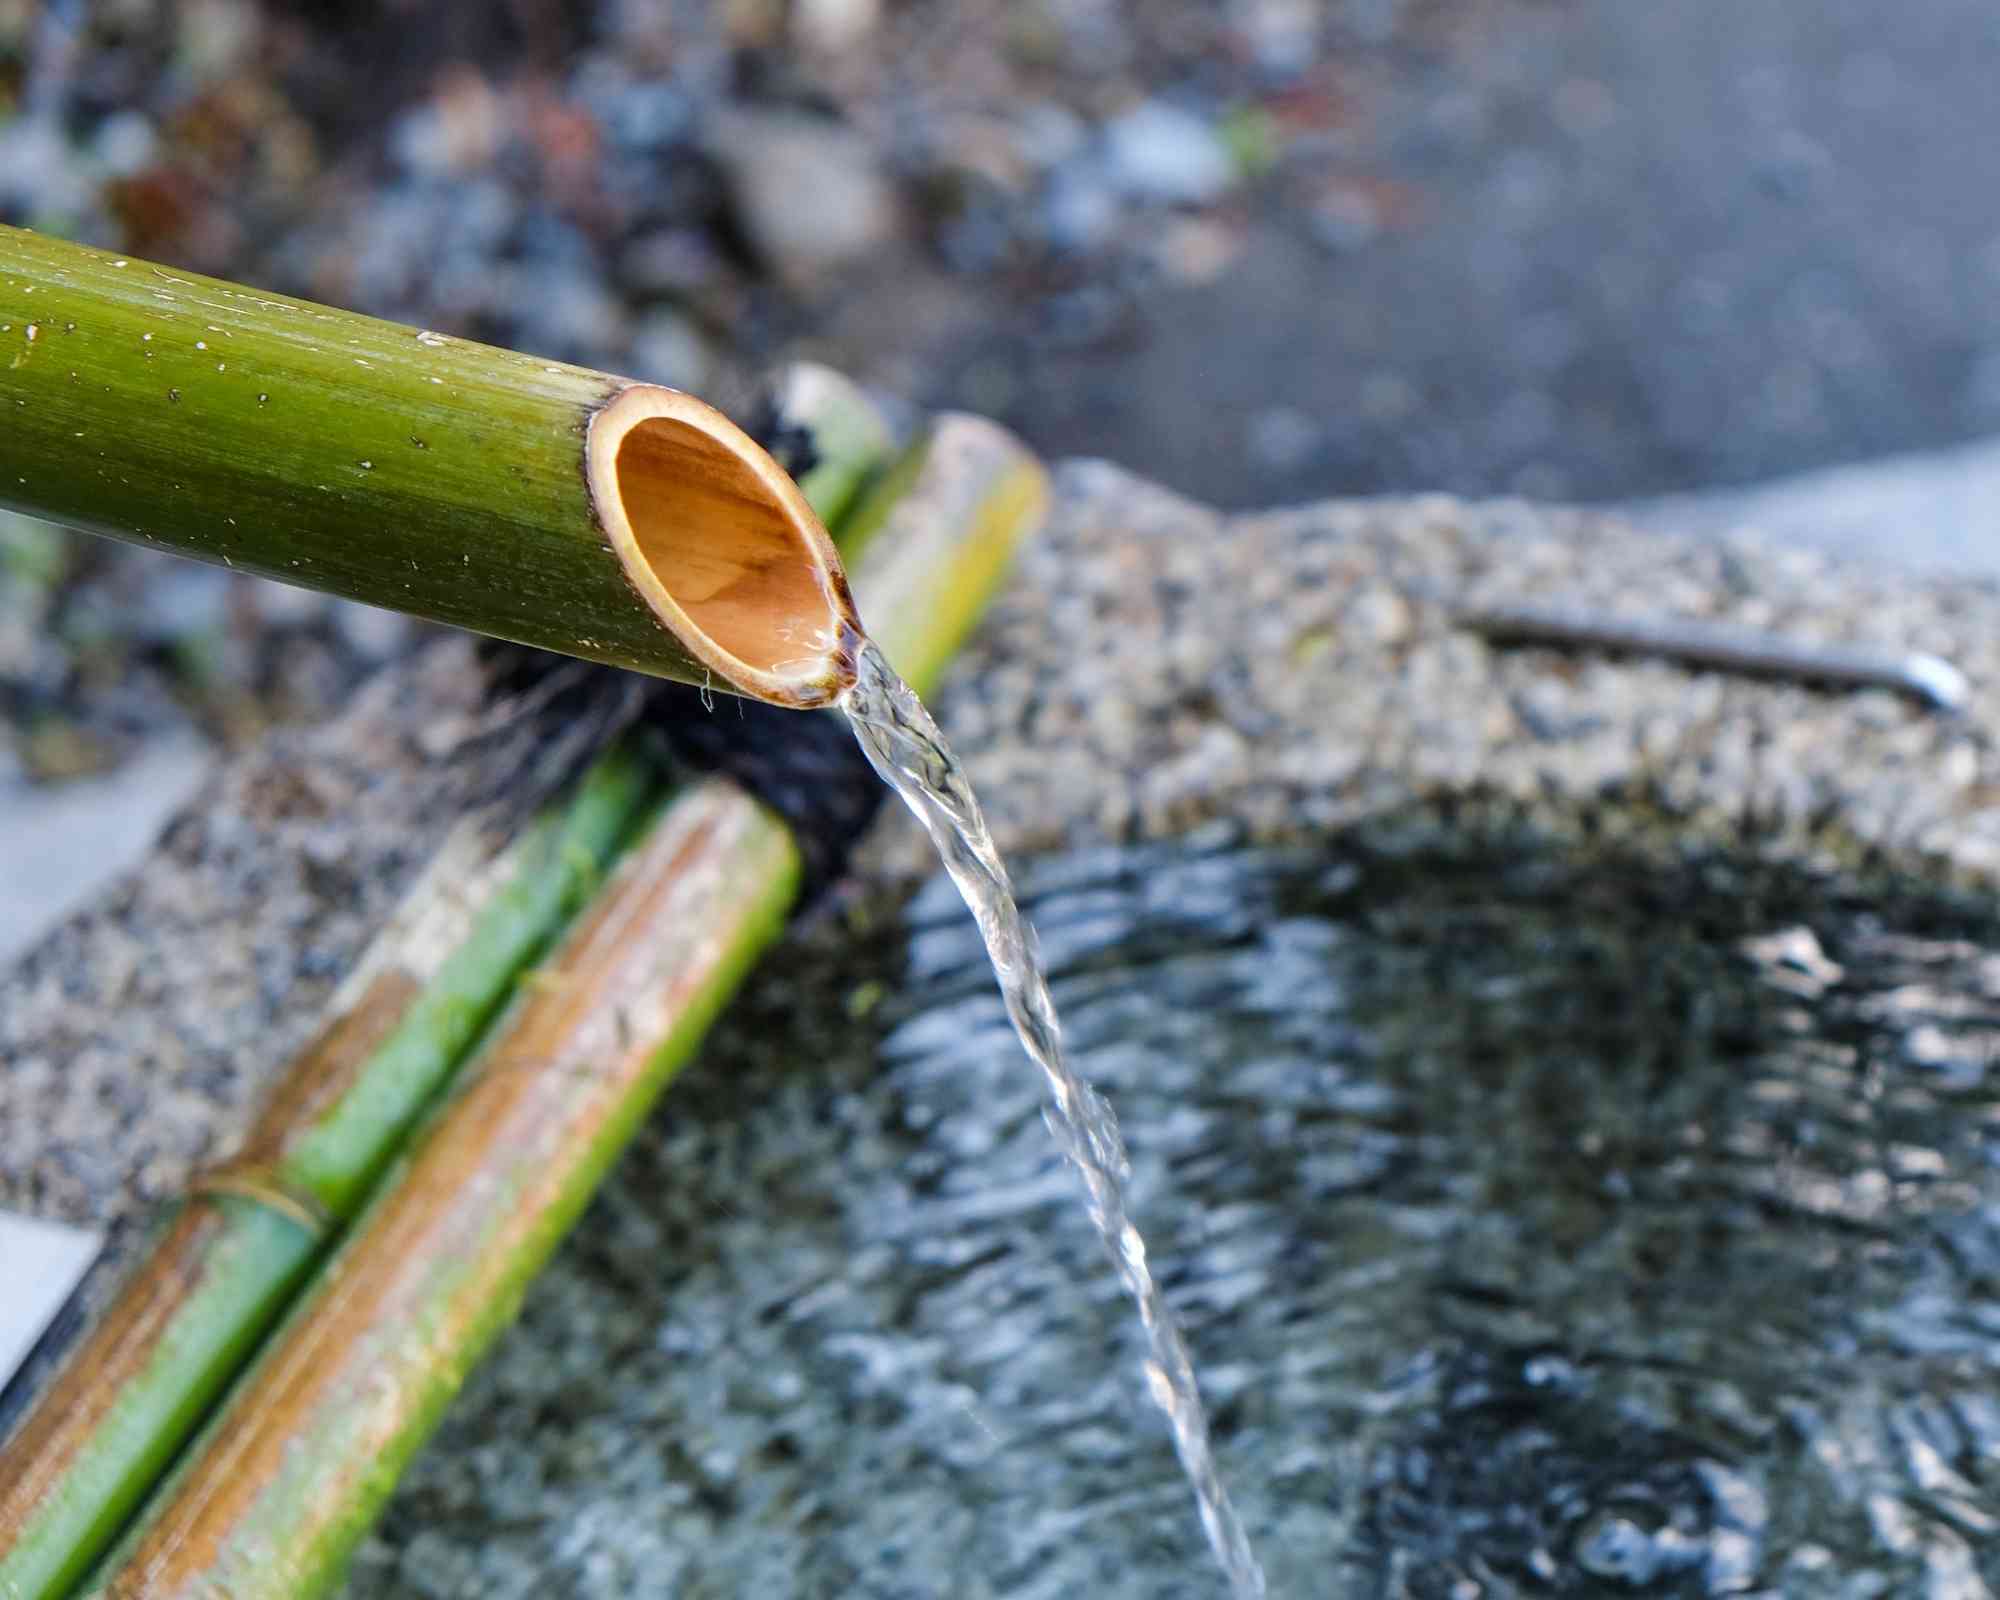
x=804, y=765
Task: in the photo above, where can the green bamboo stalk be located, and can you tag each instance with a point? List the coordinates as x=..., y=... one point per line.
x=957, y=500
x=234, y=1254
x=308, y=1446
x=536, y=501
x=851, y=439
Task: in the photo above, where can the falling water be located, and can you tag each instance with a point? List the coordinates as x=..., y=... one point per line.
x=903, y=745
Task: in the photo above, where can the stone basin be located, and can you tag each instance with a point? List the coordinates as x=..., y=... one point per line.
x=1558, y=1091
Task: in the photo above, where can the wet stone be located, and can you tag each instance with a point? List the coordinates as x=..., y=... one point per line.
x=807, y=192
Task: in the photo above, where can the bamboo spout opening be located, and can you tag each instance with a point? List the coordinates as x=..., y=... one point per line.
x=722, y=545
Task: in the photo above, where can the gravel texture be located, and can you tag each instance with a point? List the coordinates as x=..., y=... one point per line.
x=1155, y=664
x=1159, y=663
x=138, y=1031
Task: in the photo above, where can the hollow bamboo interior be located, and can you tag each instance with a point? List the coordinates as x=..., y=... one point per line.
x=721, y=543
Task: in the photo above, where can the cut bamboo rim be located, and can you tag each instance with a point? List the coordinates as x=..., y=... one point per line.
x=718, y=539
x=532, y=500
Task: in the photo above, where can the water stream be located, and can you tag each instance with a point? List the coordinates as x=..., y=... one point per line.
x=905, y=747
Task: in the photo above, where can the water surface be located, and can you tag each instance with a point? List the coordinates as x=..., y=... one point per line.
x=1547, y=1225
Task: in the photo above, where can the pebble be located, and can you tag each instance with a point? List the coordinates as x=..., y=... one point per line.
x=834, y=27
x=806, y=191
x=126, y=143
x=1047, y=133
x=1160, y=152
x=41, y=176
x=457, y=131
x=670, y=262
x=568, y=313
x=185, y=599
x=644, y=117
x=1283, y=35
x=1081, y=209
x=669, y=349
x=370, y=632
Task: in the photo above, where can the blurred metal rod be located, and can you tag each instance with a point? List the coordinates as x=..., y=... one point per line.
x=1928, y=679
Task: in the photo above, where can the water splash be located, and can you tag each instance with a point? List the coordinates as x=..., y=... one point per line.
x=905, y=747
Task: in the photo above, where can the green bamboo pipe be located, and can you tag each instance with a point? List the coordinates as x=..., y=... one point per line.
x=230, y=1258
x=272, y=1498
x=231, y=1255
x=617, y=521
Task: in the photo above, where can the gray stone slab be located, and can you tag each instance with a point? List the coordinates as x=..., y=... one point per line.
x=57, y=845
x=40, y=1263
x=1935, y=513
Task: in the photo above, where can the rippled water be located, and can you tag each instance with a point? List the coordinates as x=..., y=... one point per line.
x=1550, y=1226
x=909, y=753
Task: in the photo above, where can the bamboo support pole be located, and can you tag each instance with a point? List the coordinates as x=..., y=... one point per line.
x=584, y=513
x=233, y=1255
x=850, y=439
x=306, y=1449
x=237, y=1249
